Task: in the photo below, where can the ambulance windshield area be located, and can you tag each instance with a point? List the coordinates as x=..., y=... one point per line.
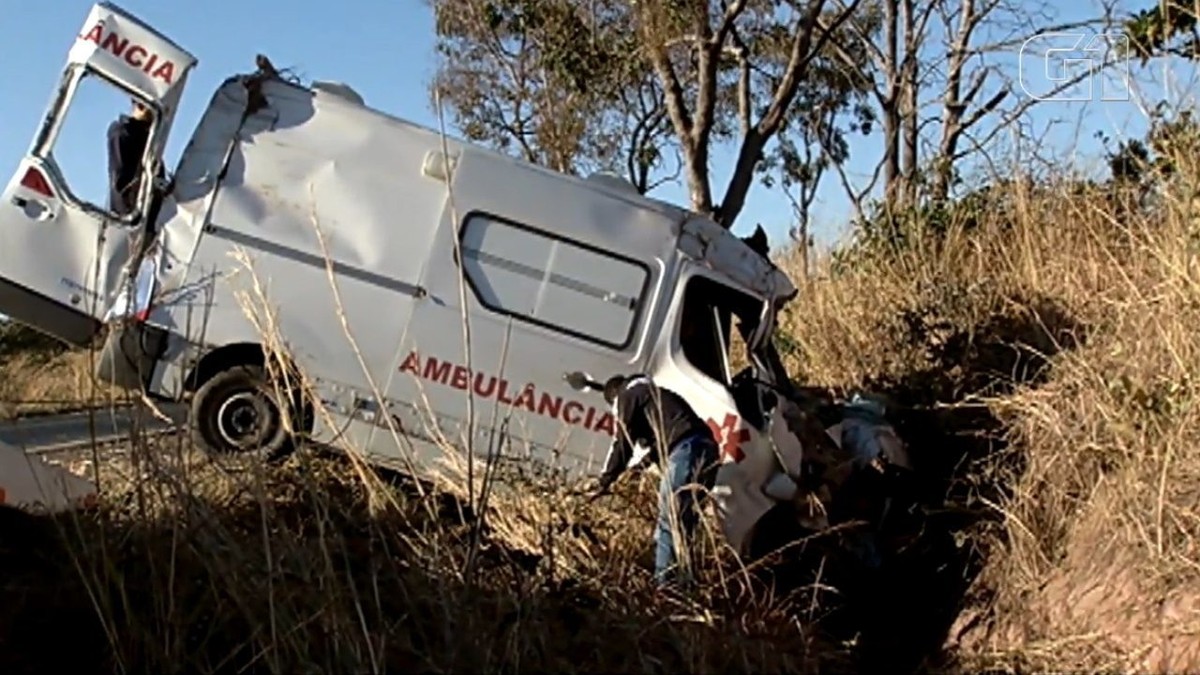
x=710, y=310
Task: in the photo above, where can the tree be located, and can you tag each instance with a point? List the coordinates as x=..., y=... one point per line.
x=1169, y=28
x=566, y=82
x=555, y=80
x=745, y=60
x=1141, y=167
x=975, y=30
x=934, y=89
x=961, y=107
x=891, y=33
x=812, y=142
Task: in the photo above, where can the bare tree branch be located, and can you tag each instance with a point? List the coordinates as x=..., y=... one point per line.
x=802, y=52
x=1025, y=105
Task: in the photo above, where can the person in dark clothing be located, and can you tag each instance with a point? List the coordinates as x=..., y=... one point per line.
x=663, y=422
x=127, y=137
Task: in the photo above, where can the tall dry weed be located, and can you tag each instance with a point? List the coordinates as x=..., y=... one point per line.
x=1074, y=323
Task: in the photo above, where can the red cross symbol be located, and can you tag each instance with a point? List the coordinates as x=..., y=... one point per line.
x=730, y=441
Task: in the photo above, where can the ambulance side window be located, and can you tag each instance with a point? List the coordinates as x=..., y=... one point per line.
x=80, y=149
x=547, y=280
x=710, y=327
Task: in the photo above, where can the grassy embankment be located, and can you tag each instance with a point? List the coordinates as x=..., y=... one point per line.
x=1047, y=357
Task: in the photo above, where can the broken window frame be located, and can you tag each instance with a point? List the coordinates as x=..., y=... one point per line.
x=719, y=322
x=53, y=120
x=766, y=364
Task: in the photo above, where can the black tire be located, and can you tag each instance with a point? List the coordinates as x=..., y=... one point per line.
x=237, y=412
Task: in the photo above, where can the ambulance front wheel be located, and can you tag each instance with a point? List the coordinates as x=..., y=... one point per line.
x=237, y=412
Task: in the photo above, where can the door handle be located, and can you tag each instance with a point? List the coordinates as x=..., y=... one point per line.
x=33, y=208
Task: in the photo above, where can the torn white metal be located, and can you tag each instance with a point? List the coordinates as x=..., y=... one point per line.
x=29, y=482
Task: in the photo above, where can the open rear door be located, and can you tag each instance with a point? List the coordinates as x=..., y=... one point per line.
x=63, y=242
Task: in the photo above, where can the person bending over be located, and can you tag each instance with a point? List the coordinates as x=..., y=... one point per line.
x=662, y=421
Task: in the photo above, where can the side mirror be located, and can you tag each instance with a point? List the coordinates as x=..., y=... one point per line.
x=581, y=381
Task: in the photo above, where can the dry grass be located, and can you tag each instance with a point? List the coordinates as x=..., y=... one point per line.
x=1066, y=333
x=1043, y=367
x=49, y=381
x=191, y=566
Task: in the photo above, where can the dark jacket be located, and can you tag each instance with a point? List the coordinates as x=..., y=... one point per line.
x=127, y=138
x=642, y=410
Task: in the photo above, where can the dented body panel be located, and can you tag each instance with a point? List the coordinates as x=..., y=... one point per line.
x=314, y=178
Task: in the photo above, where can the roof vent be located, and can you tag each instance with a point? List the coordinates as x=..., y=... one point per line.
x=339, y=89
x=613, y=181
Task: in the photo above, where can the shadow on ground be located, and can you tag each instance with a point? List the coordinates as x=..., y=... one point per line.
x=345, y=591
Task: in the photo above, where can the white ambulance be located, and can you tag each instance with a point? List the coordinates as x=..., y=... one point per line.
x=365, y=242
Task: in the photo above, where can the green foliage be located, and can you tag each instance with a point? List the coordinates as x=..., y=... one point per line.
x=585, y=85
x=889, y=231
x=1160, y=401
x=1170, y=146
x=1168, y=28
x=1138, y=165
x=790, y=349
x=1130, y=160
x=832, y=105
x=555, y=81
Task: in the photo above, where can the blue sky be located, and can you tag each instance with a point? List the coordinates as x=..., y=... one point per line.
x=385, y=50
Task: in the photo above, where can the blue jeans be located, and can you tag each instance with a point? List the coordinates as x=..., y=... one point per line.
x=691, y=461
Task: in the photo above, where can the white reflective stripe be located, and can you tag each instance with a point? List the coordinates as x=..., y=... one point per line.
x=144, y=288
x=143, y=292
x=640, y=379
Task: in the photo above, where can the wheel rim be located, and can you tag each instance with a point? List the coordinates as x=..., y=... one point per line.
x=245, y=420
